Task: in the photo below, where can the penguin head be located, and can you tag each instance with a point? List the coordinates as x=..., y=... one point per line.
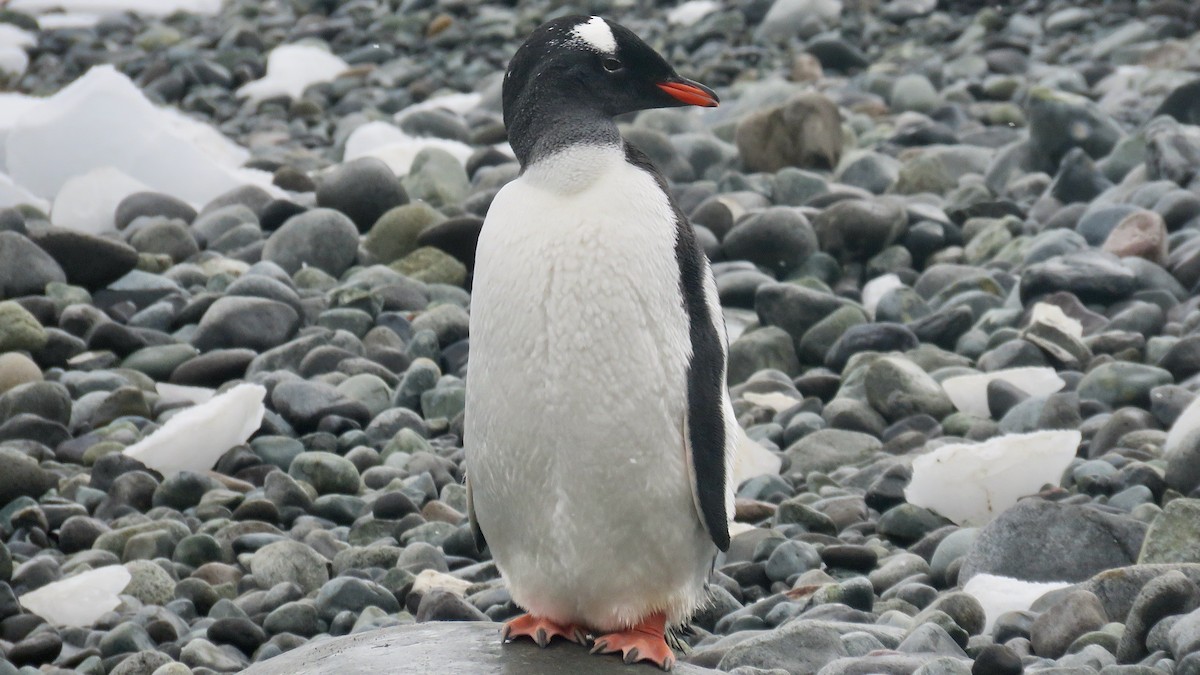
x=595, y=65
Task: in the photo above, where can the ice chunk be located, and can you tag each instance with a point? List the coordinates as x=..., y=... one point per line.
x=291, y=69
x=969, y=392
x=1052, y=315
x=193, y=439
x=88, y=202
x=1005, y=594
x=178, y=393
x=1185, y=425
x=775, y=400
x=688, y=13
x=751, y=459
x=874, y=290
x=103, y=119
x=84, y=13
x=79, y=600
x=970, y=483
x=396, y=148
x=433, y=580
x=13, y=42
x=12, y=194
x=460, y=103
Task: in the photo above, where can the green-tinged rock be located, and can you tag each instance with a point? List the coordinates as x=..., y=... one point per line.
x=19, y=330
x=1174, y=536
x=432, y=266
x=768, y=347
x=394, y=235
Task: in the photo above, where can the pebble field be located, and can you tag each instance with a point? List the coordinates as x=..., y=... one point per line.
x=957, y=245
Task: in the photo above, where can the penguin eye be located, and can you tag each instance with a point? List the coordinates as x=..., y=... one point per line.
x=611, y=65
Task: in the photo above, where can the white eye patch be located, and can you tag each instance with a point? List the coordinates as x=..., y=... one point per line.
x=596, y=34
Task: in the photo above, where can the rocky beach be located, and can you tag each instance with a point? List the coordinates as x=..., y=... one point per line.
x=957, y=245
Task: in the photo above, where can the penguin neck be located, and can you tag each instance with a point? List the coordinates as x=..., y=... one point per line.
x=563, y=144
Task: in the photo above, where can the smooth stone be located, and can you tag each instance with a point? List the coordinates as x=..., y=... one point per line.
x=1174, y=536
x=1167, y=595
x=778, y=238
x=252, y=323
x=1075, y=542
x=1122, y=383
x=25, y=269
x=809, y=123
x=1075, y=614
x=898, y=388
x=19, y=330
x=88, y=260
x=17, y=369
x=321, y=238
x=363, y=189
x=290, y=562
x=829, y=449
x=762, y=349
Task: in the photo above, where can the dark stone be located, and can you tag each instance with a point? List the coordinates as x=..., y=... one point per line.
x=1073, y=543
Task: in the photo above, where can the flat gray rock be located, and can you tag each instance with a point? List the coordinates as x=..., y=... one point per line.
x=448, y=647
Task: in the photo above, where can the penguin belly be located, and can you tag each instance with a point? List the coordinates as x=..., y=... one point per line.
x=576, y=397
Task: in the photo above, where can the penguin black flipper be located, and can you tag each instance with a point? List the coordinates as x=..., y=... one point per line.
x=705, y=430
x=476, y=533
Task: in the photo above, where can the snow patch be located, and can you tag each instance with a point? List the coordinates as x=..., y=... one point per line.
x=103, y=120
x=53, y=14
x=87, y=202
x=12, y=194
x=79, y=600
x=193, y=439
x=396, y=148
x=1005, y=594
x=291, y=69
x=969, y=392
x=690, y=12
x=874, y=290
x=1187, y=424
x=971, y=483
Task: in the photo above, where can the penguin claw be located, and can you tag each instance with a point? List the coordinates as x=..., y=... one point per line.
x=644, y=642
x=541, y=631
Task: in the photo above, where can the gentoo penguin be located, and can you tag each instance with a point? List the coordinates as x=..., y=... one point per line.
x=599, y=433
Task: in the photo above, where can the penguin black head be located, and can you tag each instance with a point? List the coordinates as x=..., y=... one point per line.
x=577, y=69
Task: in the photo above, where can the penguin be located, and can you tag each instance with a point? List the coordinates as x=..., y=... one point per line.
x=598, y=432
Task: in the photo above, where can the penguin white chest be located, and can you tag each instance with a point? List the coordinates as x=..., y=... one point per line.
x=576, y=396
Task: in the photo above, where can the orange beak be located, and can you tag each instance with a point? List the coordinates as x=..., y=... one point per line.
x=691, y=93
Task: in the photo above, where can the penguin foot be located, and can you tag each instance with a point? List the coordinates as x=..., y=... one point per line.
x=643, y=642
x=541, y=630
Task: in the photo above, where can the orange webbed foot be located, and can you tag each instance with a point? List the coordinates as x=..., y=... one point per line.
x=541, y=630
x=643, y=642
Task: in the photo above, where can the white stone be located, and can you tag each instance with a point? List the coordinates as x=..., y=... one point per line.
x=970, y=483
x=396, y=148
x=874, y=290
x=751, y=459
x=84, y=13
x=969, y=392
x=193, y=439
x=786, y=16
x=688, y=13
x=775, y=400
x=79, y=600
x=1185, y=425
x=1052, y=315
x=291, y=69
x=458, y=102
x=433, y=580
x=102, y=119
x=178, y=393
x=88, y=201
x=13, y=62
x=998, y=595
